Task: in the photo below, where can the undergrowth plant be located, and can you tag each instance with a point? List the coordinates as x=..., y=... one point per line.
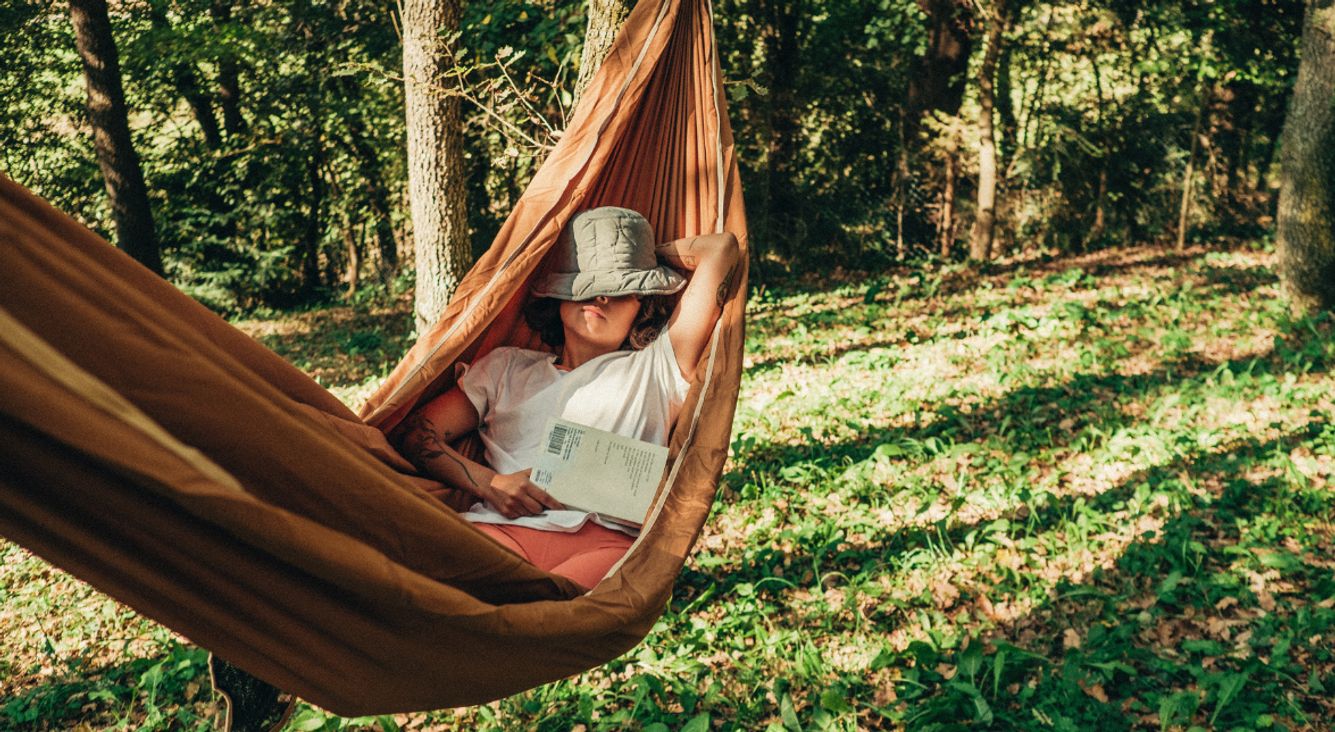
x=1092, y=493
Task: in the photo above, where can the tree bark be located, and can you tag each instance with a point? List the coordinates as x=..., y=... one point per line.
x=185, y=80
x=435, y=155
x=352, y=242
x=938, y=78
x=946, y=226
x=1008, y=138
x=605, y=20
x=780, y=25
x=371, y=172
x=1188, y=178
x=229, y=87
x=1306, y=221
x=984, y=224
x=111, y=133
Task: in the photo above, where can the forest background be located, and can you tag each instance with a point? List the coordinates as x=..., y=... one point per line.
x=272, y=135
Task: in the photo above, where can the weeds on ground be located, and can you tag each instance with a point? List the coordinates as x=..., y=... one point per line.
x=1094, y=493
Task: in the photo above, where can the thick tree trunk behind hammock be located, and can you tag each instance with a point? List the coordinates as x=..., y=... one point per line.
x=111, y=133
x=1306, y=227
x=436, y=190
x=605, y=20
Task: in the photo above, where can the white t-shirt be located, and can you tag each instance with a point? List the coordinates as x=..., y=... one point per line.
x=632, y=393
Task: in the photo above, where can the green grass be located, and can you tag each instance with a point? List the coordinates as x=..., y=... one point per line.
x=1091, y=493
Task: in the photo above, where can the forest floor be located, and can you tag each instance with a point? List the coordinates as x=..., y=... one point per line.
x=1096, y=492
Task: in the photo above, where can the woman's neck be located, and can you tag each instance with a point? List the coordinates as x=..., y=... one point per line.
x=573, y=355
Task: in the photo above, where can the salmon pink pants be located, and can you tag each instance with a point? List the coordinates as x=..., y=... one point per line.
x=583, y=556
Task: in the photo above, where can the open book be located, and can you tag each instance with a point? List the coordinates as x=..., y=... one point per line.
x=598, y=471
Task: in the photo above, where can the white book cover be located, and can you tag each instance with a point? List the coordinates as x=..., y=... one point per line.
x=598, y=471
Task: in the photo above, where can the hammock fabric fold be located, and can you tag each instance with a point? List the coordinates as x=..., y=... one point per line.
x=159, y=454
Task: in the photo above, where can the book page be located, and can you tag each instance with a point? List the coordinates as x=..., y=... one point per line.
x=598, y=471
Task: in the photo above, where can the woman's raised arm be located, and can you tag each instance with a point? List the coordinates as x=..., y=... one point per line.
x=712, y=261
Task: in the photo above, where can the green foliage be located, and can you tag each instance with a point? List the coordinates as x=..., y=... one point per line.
x=1101, y=108
x=1077, y=494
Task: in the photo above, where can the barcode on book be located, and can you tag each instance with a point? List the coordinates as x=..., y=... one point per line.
x=542, y=477
x=557, y=440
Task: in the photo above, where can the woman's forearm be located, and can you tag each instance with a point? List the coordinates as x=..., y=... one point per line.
x=690, y=253
x=427, y=447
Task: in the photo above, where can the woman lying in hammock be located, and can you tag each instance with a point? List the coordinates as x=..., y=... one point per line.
x=603, y=306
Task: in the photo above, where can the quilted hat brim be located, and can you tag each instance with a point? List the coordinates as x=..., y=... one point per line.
x=662, y=280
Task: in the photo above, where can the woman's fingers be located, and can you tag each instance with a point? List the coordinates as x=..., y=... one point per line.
x=516, y=495
x=544, y=498
x=531, y=504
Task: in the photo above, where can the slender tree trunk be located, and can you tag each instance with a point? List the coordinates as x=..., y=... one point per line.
x=370, y=171
x=1008, y=128
x=435, y=155
x=315, y=226
x=185, y=79
x=111, y=133
x=1100, y=200
x=1306, y=226
x=1031, y=106
x=984, y=225
x=901, y=186
x=352, y=242
x=229, y=87
x=938, y=79
x=605, y=20
x=946, y=229
x=780, y=41
x=1188, y=178
x=187, y=85
x=1230, y=129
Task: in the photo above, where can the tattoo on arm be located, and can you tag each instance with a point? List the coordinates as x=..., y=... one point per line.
x=725, y=286
x=423, y=443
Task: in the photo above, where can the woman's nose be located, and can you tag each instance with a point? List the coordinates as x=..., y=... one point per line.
x=600, y=299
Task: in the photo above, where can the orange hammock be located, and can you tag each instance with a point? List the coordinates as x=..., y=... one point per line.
x=167, y=459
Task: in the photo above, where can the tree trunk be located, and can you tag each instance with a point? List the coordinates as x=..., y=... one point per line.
x=779, y=38
x=1306, y=227
x=352, y=241
x=1030, y=107
x=229, y=88
x=313, y=235
x=1239, y=98
x=186, y=82
x=1184, y=210
x=371, y=172
x=1100, y=201
x=984, y=224
x=938, y=78
x=111, y=133
x=605, y=20
x=946, y=227
x=1008, y=139
x=901, y=186
x=435, y=155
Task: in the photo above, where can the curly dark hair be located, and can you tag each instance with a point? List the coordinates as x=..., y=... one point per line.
x=544, y=317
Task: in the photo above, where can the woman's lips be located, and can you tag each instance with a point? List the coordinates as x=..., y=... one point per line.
x=595, y=310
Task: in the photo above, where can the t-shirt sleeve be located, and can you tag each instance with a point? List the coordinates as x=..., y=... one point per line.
x=479, y=381
x=666, y=369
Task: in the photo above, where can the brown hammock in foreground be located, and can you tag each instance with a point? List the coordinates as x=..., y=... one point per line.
x=164, y=457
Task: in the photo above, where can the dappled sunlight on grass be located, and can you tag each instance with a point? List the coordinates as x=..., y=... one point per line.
x=1086, y=493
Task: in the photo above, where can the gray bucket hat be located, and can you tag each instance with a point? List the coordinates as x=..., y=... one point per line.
x=606, y=251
